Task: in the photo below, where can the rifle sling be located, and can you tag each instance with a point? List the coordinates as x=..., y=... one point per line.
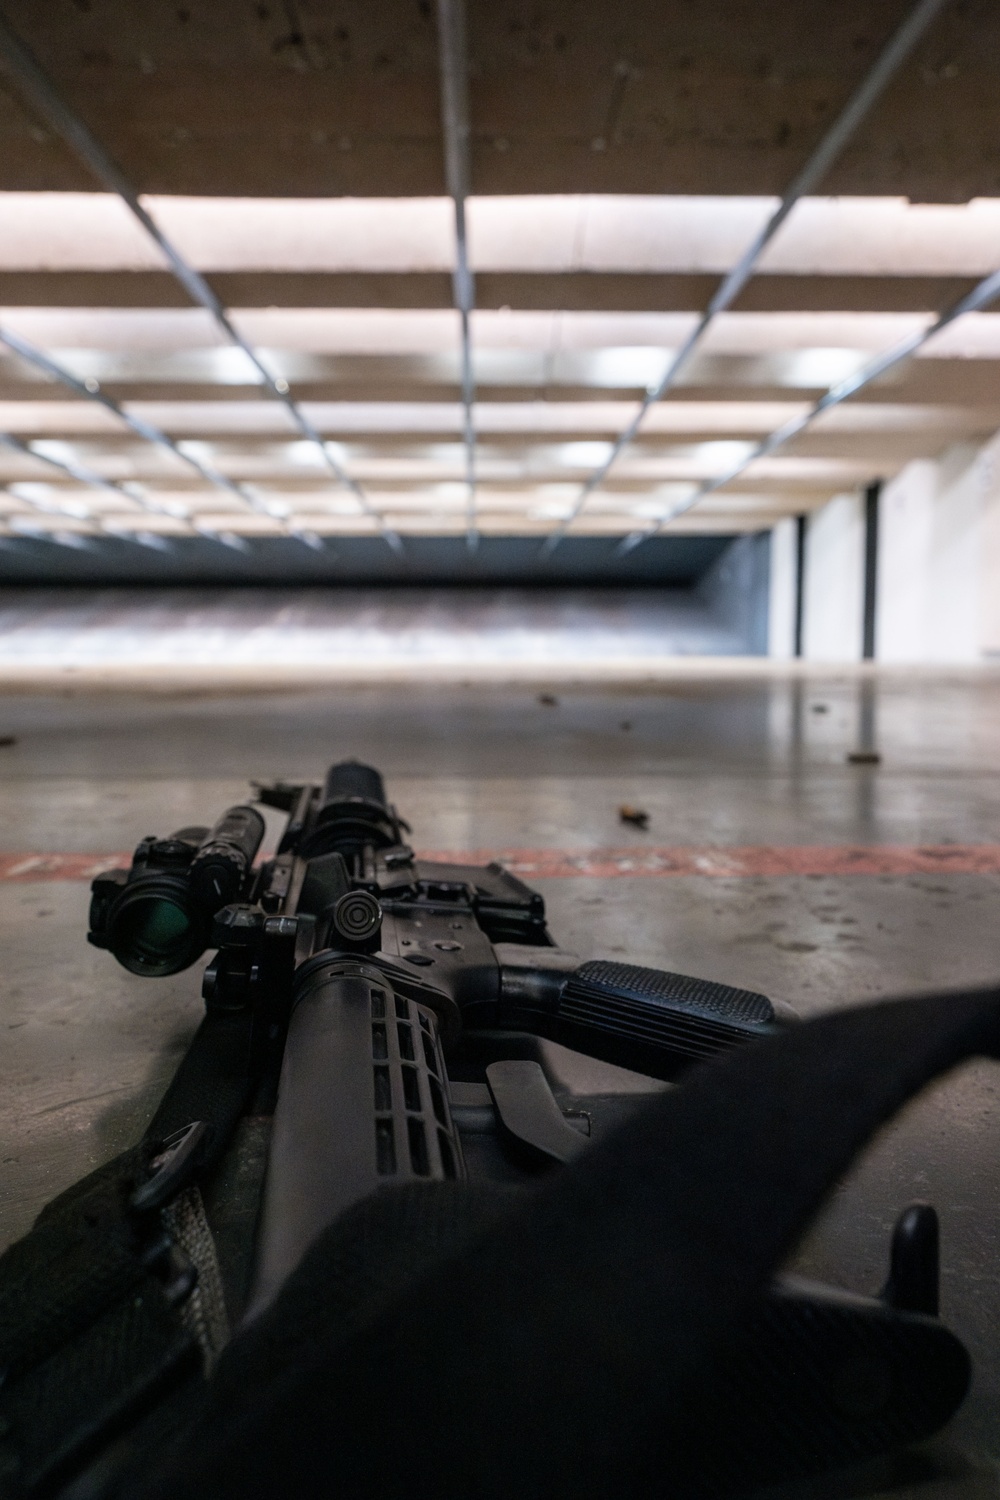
x=95, y=1311
x=577, y=1340
x=566, y=1342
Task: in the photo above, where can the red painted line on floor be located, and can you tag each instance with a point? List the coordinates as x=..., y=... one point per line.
x=748, y=860
x=732, y=862
x=29, y=867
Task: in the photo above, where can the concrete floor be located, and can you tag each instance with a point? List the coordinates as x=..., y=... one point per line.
x=716, y=759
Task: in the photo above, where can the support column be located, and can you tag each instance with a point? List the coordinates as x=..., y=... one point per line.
x=783, y=590
x=800, y=581
x=833, y=605
x=872, y=494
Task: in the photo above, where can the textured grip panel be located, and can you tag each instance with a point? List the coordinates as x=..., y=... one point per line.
x=676, y=1012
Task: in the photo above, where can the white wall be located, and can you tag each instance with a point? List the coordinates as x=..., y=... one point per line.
x=905, y=531
x=937, y=597
x=939, y=559
x=832, y=627
x=989, y=587
x=782, y=590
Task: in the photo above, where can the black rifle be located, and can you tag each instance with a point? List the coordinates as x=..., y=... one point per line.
x=407, y=1022
x=392, y=994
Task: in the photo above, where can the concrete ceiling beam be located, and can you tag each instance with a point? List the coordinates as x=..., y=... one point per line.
x=581, y=291
x=572, y=96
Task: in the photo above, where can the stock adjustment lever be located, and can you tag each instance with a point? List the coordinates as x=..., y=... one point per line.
x=528, y=1115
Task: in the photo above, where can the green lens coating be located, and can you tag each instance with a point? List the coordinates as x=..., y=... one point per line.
x=153, y=933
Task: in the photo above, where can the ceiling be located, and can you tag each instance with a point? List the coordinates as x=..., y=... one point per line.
x=620, y=164
x=320, y=98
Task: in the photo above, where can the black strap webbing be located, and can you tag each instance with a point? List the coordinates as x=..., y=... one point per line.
x=212, y=1083
x=87, y=1333
x=573, y=1345
x=78, y=1259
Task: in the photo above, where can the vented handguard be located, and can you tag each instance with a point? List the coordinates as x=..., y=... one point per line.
x=647, y=1009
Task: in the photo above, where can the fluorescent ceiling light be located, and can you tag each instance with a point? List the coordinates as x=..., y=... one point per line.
x=720, y=454
x=623, y=367
x=302, y=454
x=62, y=451
x=665, y=497
x=822, y=367
x=551, y=510
x=586, y=455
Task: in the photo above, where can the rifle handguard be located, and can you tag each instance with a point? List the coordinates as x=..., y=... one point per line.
x=634, y=1016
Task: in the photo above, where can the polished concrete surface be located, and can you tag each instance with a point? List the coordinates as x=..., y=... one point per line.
x=715, y=759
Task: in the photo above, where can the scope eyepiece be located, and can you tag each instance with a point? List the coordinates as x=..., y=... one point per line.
x=156, y=917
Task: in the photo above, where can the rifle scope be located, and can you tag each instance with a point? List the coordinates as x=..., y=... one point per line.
x=156, y=918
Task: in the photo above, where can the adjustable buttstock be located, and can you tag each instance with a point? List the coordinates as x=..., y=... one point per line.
x=824, y=1378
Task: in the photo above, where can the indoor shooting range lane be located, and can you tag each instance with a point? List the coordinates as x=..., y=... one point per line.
x=87, y=1048
x=203, y=634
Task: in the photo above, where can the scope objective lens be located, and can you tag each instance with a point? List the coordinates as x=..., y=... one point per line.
x=154, y=934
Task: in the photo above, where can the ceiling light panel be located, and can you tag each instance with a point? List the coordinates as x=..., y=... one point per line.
x=281, y=332
x=381, y=385
x=827, y=236
x=114, y=328
x=598, y=233
x=95, y=231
